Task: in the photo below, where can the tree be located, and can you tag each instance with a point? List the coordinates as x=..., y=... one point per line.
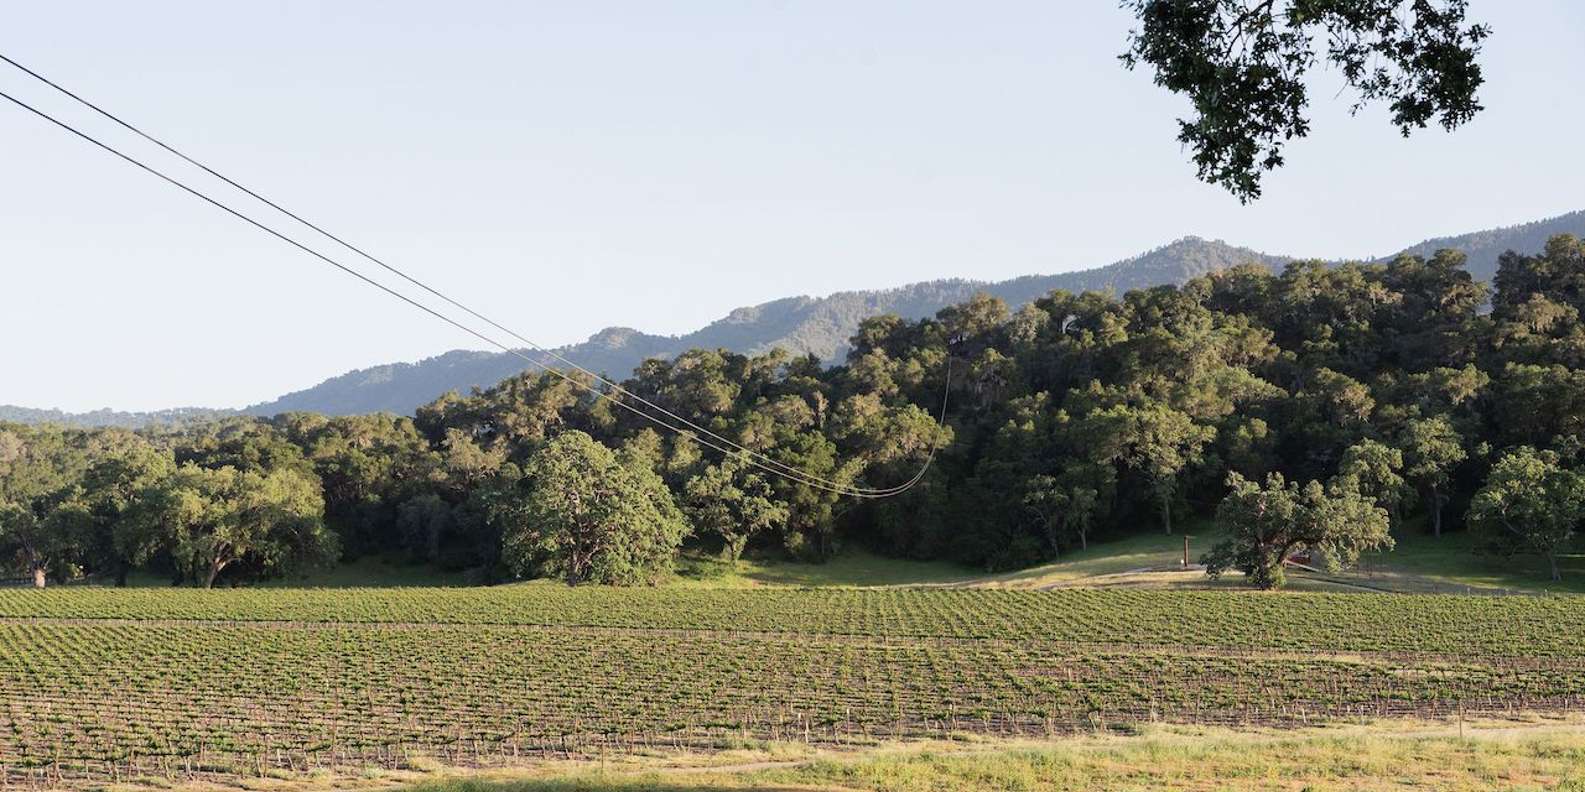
x=1431, y=447
x=1263, y=525
x=41, y=511
x=812, y=510
x=1370, y=468
x=422, y=522
x=1243, y=65
x=39, y=543
x=1064, y=506
x=1160, y=443
x=588, y=516
x=734, y=503
x=115, y=487
x=1529, y=504
x=209, y=520
x=369, y=466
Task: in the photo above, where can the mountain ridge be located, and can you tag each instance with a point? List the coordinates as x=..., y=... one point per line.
x=801, y=324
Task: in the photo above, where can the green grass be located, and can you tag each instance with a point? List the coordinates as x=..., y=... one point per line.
x=855, y=566
x=373, y=572
x=1422, y=562
x=366, y=572
x=1146, y=551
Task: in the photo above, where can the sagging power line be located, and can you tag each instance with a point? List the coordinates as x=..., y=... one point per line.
x=710, y=439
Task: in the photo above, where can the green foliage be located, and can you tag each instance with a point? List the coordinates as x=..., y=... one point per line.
x=1264, y=525
x=735, y=503
x=1079, y=417
x=209, y=519
x=1529, y=504
x=1244, y=65
x=1431, y=448
x=585, y=514
x=1157, y=441
x=1372, y=468
x=41, y=511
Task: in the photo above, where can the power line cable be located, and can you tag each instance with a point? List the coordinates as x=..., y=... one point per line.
x=803, y=479
x=787, y=472
x=617, y=388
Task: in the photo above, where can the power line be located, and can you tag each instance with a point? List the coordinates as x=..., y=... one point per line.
x=739, y=452
x=617, y=388
x=799, y=476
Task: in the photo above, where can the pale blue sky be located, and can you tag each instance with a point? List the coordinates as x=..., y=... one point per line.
x=569, y=166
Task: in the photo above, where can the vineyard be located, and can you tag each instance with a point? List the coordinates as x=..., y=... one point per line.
x=108, y=685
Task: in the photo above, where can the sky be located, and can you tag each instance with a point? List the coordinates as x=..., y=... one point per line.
x=564, y=167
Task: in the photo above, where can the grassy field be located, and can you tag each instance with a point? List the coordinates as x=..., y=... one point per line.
x=180, y=684
x=1425, y=563
x=1150, y=560
x=1419, y=564
x=855, y=566
x=1506, y=756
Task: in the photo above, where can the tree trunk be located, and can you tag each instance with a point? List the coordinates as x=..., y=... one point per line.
x=1436, y=513
x=577, y=566
x=432, y=543
x=38, y=577
x=214, y=571
x=1552, y=559
x=1166, y=514
x=1084, y=539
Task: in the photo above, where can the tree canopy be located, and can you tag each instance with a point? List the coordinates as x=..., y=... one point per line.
x=1076, y=418
x=585, y=514
x=1264, y=524
x=1243, y=65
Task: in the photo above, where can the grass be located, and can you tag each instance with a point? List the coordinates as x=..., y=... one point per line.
x=1422, y=562
x=858, y=567
x=854, y=567
x=366, y=572
x=1351, y=758
x=1152, y=551
x=373, y=572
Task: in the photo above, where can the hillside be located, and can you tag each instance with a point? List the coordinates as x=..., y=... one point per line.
x=817, y=325
x=100, y=418
x=1483, y=247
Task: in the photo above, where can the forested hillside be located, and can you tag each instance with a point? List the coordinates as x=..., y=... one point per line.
x=821, y=326
x=104, y=418
x=1305, y=411
x=801, y=325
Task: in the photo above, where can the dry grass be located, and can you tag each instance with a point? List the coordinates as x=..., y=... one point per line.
x=1533, y=754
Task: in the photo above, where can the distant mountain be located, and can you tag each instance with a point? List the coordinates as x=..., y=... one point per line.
x=1483, y=247
x=818, y=325
x=97, y=418
x=802, y=325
